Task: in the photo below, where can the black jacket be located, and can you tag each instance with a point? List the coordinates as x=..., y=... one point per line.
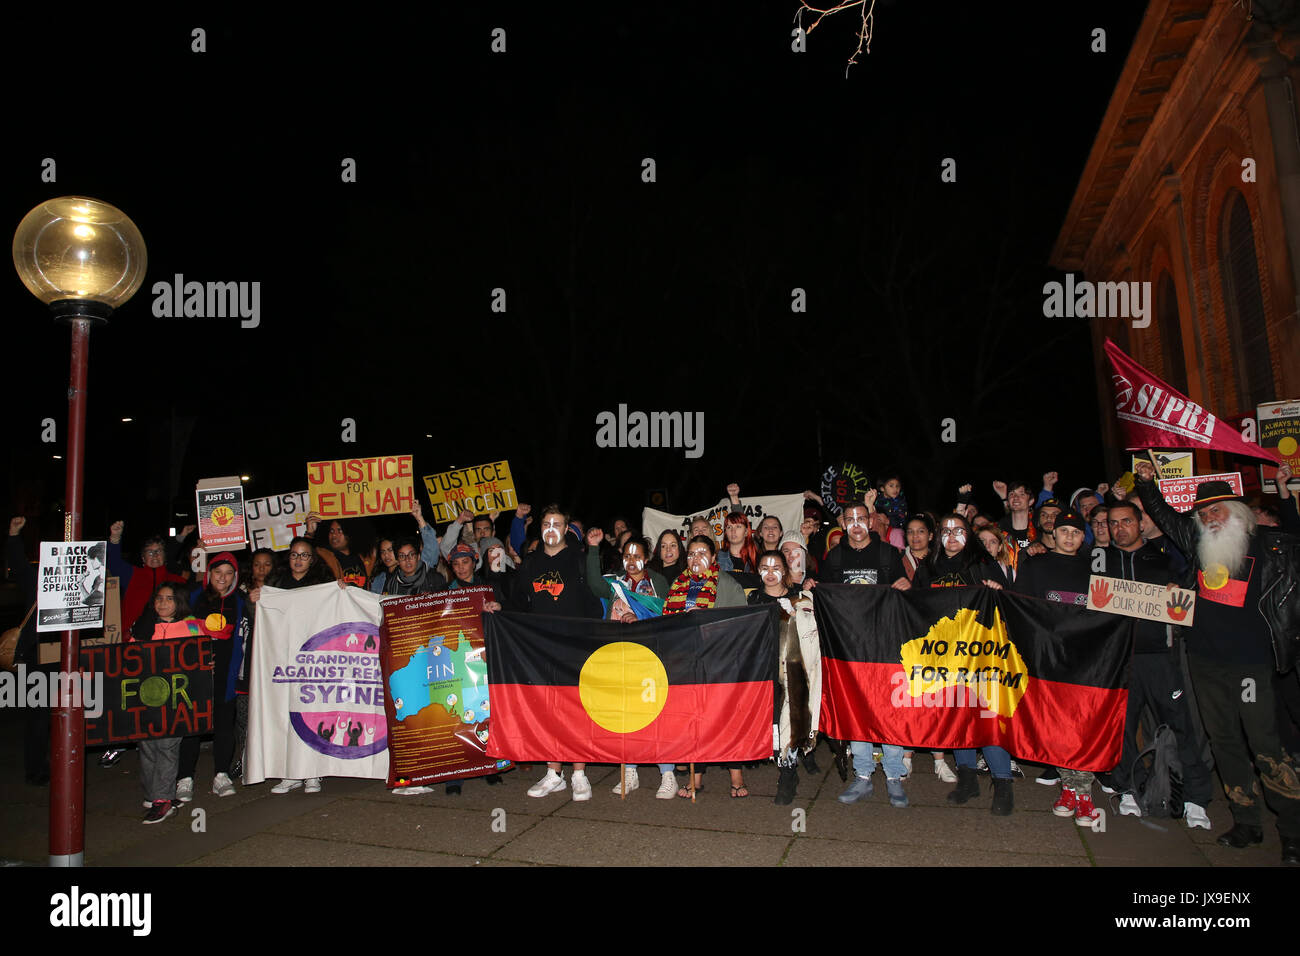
x=1279, y=602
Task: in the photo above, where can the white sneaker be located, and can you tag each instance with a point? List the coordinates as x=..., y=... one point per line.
x=551, y=783
x=311, y=785
x=1195, y=816
x=1128, y=807
x=944, y=772
x=410, y=791
x=581, y=786
x=222, y=785
x=285, y=785
x=667, y=787
x=633, y=782
x=185, y=790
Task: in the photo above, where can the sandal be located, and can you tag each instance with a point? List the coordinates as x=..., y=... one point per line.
x=685, y=792
x=736, y=791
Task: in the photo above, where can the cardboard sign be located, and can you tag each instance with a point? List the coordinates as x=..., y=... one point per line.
x=1150, y=602
x=274, y=521
x=152, y=690
x=788, y=509
x=1279, y=429
x=361, y=486
x=480, y=489
x=221, y=513
x=70, y=592
x=1181, y=492
x=1173, y=464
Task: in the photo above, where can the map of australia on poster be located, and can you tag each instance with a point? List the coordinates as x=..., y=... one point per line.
x=455, y=680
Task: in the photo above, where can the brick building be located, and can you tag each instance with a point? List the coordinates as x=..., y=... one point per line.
x=1193, y=185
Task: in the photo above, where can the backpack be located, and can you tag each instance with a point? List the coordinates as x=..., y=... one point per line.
x=1158, y=776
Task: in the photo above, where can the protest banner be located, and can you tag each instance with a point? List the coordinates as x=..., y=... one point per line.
x=152, y=689
x=316, y=695
x=1172, y=464
x=50, y=652
x=974, y=667
x=686, y=687
x=274, y=521
x=221, y=513
x=70, y=595
x=1279, y=429
x=350, y=487
x=842, y=483
x=431, y=653
x=478, y=490
x=1149, y=602
x=1181, y=492
x=787, y=508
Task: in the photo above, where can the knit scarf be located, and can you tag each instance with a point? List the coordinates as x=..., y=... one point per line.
x=708, y=595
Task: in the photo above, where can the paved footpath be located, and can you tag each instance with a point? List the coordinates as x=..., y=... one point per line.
x=358, y=823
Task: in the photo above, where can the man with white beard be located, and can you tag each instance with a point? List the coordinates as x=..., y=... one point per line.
x=1240, y=634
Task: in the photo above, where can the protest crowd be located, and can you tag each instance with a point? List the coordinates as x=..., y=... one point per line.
x=1035, y=542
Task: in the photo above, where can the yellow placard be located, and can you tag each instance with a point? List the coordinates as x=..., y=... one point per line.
x=361, y=486
x=479, y=490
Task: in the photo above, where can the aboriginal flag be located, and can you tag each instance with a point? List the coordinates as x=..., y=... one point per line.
x=974, y=667
x=687, y=687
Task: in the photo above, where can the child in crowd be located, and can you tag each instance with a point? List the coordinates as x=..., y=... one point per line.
x=892, y=503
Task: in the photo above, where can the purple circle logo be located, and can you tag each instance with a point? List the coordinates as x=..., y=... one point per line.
x=339, y=708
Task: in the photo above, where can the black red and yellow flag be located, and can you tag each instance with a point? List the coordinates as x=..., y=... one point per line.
x=973, y=667
x=687, y=687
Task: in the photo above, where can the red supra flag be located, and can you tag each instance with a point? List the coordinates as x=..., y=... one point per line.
x=1153, y=415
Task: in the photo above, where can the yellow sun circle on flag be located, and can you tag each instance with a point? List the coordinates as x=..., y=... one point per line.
x=1216, y=576
x=215, y=621
x=623, y=687
x=222, y=516
x=1286, y=447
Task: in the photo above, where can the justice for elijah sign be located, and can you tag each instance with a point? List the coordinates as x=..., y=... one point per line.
x=70, y=596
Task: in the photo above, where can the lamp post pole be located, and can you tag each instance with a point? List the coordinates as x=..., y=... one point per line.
x=68, y=728
x=83, y=258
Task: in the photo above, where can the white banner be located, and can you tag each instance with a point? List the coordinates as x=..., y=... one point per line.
x=788, y=508
x=316, y=698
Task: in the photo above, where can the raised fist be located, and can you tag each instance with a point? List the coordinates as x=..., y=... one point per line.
x=16, y=525
x=1000, y=489
x=114, y=531
x=1144, y=470
x=465, y=517
x=1049, y=480
x=522, y=511
x=594, y=537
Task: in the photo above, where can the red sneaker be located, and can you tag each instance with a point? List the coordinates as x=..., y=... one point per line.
x=1066, y=803
x=1085, y=813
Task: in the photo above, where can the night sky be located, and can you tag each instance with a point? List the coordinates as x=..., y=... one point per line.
x=523, y=171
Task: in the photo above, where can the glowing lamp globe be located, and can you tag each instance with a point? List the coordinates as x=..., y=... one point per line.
x=81, y=257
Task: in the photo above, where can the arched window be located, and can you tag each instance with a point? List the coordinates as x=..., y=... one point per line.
x=1171, y=332
x=1243, y=299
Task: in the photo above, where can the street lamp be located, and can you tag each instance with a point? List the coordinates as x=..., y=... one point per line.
x=83, y=258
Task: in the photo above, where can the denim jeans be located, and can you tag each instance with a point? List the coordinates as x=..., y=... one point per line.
x=663, y=767
x=891, y=759
x=999, y=761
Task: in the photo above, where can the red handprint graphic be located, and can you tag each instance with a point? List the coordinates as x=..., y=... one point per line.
x=1179, y=605
x=1101, y=593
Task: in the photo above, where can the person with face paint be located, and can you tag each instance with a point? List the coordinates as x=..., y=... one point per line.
x=670, y=557
x=797, y=560
x=225, y=616
x=637, y=578
x=702, y=585
x=552, y=581
x=862, y=558
x=960, y=561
